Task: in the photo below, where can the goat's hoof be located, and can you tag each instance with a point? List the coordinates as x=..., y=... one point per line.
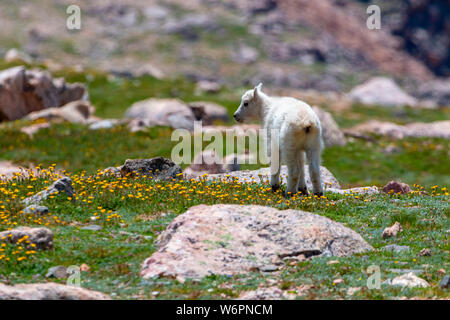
x=319, y=194
x=275, y=187
x=303, y=192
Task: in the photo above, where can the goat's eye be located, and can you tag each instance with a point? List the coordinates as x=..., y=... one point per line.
x=245, y=104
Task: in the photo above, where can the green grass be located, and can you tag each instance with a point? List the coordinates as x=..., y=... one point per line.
x=76, y=148
x=115, y=253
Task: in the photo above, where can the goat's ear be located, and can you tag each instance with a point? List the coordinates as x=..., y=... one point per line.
x=257, y=90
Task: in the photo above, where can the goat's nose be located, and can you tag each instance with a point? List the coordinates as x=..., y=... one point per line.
x=235, y=116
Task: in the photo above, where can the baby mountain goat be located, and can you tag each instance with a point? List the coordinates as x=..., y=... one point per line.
x=298, y=130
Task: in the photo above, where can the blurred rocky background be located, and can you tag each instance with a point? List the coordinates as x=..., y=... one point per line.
x=322, y=45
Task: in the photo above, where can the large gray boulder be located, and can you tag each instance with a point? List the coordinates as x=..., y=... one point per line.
x=233, y=239
x=381, y=91
x=24, y=91
x=437, y=129
x=164, y=112
x=48, y=291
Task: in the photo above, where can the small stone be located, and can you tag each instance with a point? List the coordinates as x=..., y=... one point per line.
x=445, y=283
x=352, y=290
x=59, y=272
x=84, y=267
x=268, y=268
x=39, y=210
x=92, y=227
x=441, y=271
x=48, y=291
x=332, y=262
x=62, y=185
x=396, y=248
x=396, y=187
x=338, y=281
x=425, y=252
x=409, y=280
x=392, y=231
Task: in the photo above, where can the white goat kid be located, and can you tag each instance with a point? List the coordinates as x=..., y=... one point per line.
x=299, y=132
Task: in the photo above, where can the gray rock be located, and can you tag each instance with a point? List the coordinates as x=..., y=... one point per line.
x=59, y=272
x=103, y=124
x=359, y=190
x=234, y=239
x=41, y=237
x=425, y=252
x=156, y=168
x=48, y=291
x=62, y=185
x=244, y=54
x=269, y=268
x=39, y=210
x=92, y=227
x=162, y=112
x=409, y=280
x=381, y=91
x=445, y=283
x=14, y=55
x=402, y=271
x=73, y=112
x=437, y=91
x=437, y=129
x=396, y=248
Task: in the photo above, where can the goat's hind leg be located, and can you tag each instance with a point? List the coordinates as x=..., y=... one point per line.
x=293, y=171
x=314, y=170
x=302, y=188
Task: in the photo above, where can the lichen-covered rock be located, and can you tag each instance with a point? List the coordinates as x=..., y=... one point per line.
x=233, y=239
x=48, y=291
x=61, y=185
x=396, y=187
x=38, y=210
x=156, y=168
x=41, y=237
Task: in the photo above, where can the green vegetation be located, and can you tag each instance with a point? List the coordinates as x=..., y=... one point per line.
x=131, y=210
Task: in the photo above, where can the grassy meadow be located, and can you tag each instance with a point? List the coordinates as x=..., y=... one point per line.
x=132, y=212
